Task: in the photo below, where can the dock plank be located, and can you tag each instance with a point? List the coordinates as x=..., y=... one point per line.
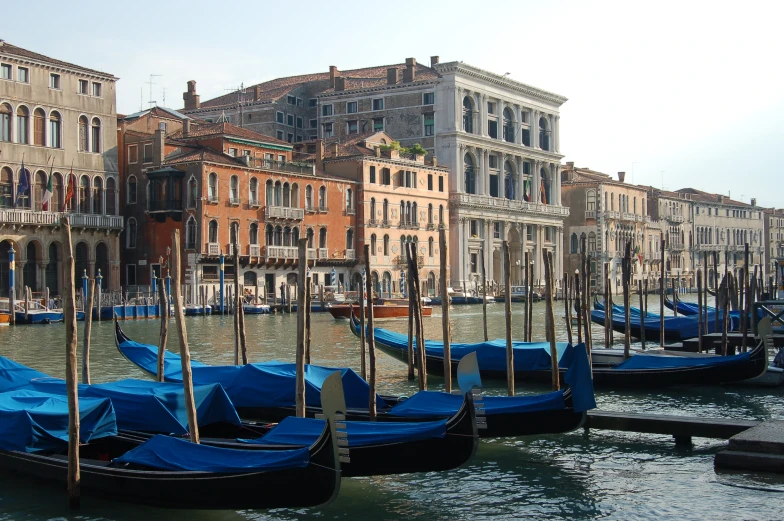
x=677, y=426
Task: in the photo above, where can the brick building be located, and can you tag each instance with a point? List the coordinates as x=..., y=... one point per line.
x=219, y=183
x=57, y=117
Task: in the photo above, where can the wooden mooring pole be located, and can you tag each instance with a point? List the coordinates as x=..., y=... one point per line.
x=510, y=380
x=370, y=338
x=627, y=261
x=567, y=301
x=362, y=300
x=300, y=377
x=88, y=327
x=306, y=309
x=607, y=323
x=530, y=299
x=547, y=258
x=71, y=371
x=644, y=313
x=419, y=328
x=746, y=293
x=445, y=327
x=164, y=334
x=578, y=303
x=411, y=320
x=527, y=300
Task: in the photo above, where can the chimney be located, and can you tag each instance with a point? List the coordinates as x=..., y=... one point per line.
x=409, y=73
x=570, y=165
x=333, y=73
x=158, y=147
x=377, y=150
x=721, y=198
x=256, y=93
x=320, y=154
x=753, y=201
x=340, y=83
x=190, y=97
x=434, y=61
x=435, y=161
x=621, y=176
x=392, y=76
x=333, y=149
x=186, y=127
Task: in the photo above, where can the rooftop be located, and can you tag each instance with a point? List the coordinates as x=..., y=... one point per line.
x=229, y=130
x=12, y=50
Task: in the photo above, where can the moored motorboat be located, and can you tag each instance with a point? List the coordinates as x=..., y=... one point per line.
x=256, y=309
x=380, y=311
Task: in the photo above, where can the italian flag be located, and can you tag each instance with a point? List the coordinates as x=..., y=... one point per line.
x=47, y=193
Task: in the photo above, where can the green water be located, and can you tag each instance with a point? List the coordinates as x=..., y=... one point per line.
x=601, y=475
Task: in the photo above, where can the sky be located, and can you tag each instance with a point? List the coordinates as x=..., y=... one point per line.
x=676, y=94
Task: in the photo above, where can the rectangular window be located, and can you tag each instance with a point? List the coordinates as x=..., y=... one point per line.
x=378, y=104
x=312, y=102
x=23, y=74
x=526, y=137
x=299, y=122
x=428, y=98
x=493, y=186
x=279, y=117
x=148, y=152
x=474, y=262
x=5, y=71
x=351, y=107
x=429, y=181
x=493, y=161
x=246, y=152
x=386, y=177
x=313, y=123
x=281, y=158
x=299, y=102
x=496, y=230
x=290, y=137
x=279, y=134
x=326, y=110
x=54, y=81
x=474, y=227
x=233, y=152
x=290, y=120
x=96, y=89
x=328, y=132
x=291, y=100
x=130, y=274
x=441, y=183
x=133, y=154
x=490, y=107
x=429, y=121
x=492, y=128
x=83, y=86
x=378, y=124
x=299, y=138
x=372, y=174
x=352, y=127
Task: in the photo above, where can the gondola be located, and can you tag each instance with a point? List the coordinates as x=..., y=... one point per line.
x=162, y=471
x=532, y=362
x=257, y=391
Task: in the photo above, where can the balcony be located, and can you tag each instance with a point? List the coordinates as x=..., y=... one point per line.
x=674, y=218
x=281, y=166
x=430, y=227
x=79, y=220
x=254, y=203
x=408, y=225
x=402, y=260
x=323, y=253
x=372, y=222
x=509, y=205
x=590, y=214
x=350, y=254
x=385, y=223
x=351, y=211
x=254, y=250
x=166, y=205
x=284, y=212
x=652, y=255
x=311, y=253
x=626, y=216
x=213, y=249
x=230, y=248
x=281, y=252
x=612, y=215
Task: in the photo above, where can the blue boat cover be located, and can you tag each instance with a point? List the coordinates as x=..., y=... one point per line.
x=31, y=421
x=640, y=361
x=580, y=380
x=267, y=384
x=138, y=404
x=305, y=431
x=425, y=404
x=168, y=453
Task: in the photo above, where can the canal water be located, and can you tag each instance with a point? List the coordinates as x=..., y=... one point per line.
x=575, y=476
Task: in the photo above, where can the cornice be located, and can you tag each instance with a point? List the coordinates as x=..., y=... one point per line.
x=60, y=68
x=503, y=81
x=354, y=92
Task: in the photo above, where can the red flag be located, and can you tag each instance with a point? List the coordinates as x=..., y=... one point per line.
x=70, y=191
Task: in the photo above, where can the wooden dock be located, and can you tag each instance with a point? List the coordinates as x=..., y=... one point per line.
x=760, y=448
x=682, y=428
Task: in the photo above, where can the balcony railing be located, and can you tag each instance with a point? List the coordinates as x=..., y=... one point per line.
x=612, y=215
x=590, y=214
x=351, y=210
x=311, y=253
x=675, y=218
x=402, y=260
x=284, y=212
x=498, y=203
x=81, y=220
x=385, y=223
x=281, y=166
x=281, y=252
x=167, y=205
x=372, y=222
x=213, y=249
x=626, y=216
x=350, y=254
x=254, y=250
x=323, y=253
x=230, y=248
x=310, y=208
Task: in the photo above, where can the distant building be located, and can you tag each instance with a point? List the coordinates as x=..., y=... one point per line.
x=57, y=117
x=774, y=242
x=674, y=211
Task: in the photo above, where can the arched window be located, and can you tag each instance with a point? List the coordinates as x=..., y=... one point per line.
x=403, y=212
x=309, y=237
x=349, y=201
x=111, y=194
x=40, y=187
x=295, y=195
x=441, y=215
x=5, y=122
x=373, y=245
x=58, y=197
x=130, y=233
x=308, y=197
x=254, y=191
x=468, y=114
x=414, y=215
x=131, y=199
x=278, y=194
x=234, y=233
x=23, y=125
x=193, y=192
x=83, y=134
x=270, y=193
x=546, y=187
x=544, y=134
x=39, y=127
x=592, y=241
x=55, y=130
x=286, y=195
x=212, y=187
x=573, y=244
x=509, y=181
x=322, y=198
x=278, y=238
x=234, y=190
x=590, y=201
x=95, y=137
x=190, y=233
x=430, y=214
x=509, y=133
x=349, y=239
x=97, y=196
x=269, y=233
x=469, y=174
x=323, y=238
x=385, y=211
x=386, y=245
x=213, y=231
x=81, y=258
x=84, y=194
x=372, y=215
x=612, y=202
x=430, y=248
x=634, y=208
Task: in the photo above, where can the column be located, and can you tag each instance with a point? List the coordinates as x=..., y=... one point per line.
x=486, y=172
x=558, y=184
x=500, y=110
x=481, y=187
x=534, y=128
x=460, y=168
x=551, y=121
x=501, y=176
x=458, y=108
x=518, y=125
x=482, y=114
x=536, y=191
x=557, y=134
x=466, y=226
x=488, y=249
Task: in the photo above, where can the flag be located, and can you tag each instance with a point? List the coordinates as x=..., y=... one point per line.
x=527, y=190
x=24, y=184
x=510, y=191
x=48, y=192
x=544, y=194
x=70, y=191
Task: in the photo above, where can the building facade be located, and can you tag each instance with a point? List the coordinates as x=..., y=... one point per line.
x=401, y=199
x=218, y=184
x=59, y=120
x=674, y=211
x=773, y=231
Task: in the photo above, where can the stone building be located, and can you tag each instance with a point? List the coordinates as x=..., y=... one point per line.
x=674, y=211
x=604, y=214
x=57, y=118
x=220, y=183
x=723, y=226
x=401, y=199
x=774, y=242
x=498, y=137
